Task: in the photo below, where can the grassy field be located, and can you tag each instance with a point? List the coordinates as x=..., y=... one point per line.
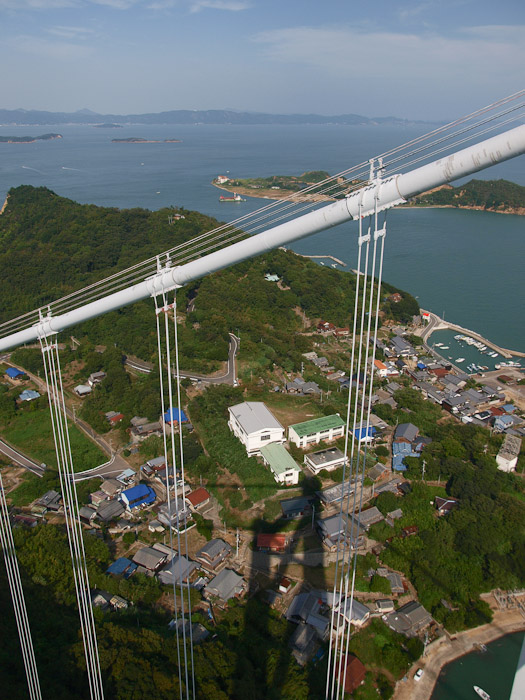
x=31, y=432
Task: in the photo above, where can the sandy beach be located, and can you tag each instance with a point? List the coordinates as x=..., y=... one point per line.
x=446, y=649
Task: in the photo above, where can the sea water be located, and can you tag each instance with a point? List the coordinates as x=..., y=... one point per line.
x=467, y=264
x=493, y=670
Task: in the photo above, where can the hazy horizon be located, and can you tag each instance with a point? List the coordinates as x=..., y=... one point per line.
x=427, y=60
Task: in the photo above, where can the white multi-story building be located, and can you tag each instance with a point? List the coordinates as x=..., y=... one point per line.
x=255, y=426
x=313, y=431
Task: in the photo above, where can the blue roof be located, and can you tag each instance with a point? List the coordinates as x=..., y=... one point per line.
x=509, y=408
x=397, y=463
x=361, y=433
x=138, y=495
x=421, y=365
x=119, y=566
x=13, y=372
x=29, y=394
x=175, y=414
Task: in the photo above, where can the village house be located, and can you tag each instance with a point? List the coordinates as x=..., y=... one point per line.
x=445, y=505
x=276, y=543
x=150, y=559
x=96, y=378
x=255, y=426
x=329, y=459
x=82, y=390
x=137, y=497
x=198, y=499
x=282, y=465
x=409, y=620
x=314, y=431
x=507, y=457
x=292, y=508
x=214, y=555
x=226, y=585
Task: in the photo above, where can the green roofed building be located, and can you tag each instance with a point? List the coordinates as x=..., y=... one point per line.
x=284, y=469
x=313, y=431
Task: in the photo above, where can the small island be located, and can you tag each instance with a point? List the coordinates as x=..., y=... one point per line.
x=499, y=196
x=136, y=139
x=306, y=187
x=107, y=126
x=29, y=139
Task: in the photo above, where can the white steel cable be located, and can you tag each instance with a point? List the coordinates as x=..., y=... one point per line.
x=73, y=526
x=342, y=548
x=171, y=413
x=345, y=454
x=17, y=594
x=85, y=608
x=181, y=457
x=356, y=516
x=158, y=311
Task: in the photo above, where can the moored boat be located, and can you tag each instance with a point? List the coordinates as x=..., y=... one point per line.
x=236, y=198
x=482, y=694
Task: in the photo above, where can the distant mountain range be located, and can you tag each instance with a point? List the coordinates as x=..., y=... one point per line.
x=10, y=117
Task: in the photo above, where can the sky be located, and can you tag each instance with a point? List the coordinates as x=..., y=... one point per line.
x=428, y=60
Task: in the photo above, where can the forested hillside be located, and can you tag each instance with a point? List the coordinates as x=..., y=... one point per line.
x=490, y=195
x=52, y=246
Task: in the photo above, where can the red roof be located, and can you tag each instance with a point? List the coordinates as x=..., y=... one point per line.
x=439, y=371
x=355, y=673
x=496, y=411
x=198, y=496
x=271, y=541
x=117, y=418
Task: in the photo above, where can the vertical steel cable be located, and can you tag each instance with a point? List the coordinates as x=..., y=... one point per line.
x=158, y=311
x=73, y=526
x=17, y=594
x=181, y=449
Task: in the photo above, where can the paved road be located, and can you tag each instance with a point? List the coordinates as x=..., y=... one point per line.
x=229, y=377
x=23, y=460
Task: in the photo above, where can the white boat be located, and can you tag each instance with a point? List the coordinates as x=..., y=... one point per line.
x=460, y=359
x=445, y=347
x=482, y=694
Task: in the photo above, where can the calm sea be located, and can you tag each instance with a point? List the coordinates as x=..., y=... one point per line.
x=468, y=265
x=492, y=670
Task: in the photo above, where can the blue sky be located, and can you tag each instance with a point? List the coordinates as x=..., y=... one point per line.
x=433, y=59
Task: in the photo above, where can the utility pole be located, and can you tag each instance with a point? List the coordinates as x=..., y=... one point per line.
x=313, y=514
x=237, y=542
x=423, y=471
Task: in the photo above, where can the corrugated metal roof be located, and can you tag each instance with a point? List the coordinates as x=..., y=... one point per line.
x=278, y=459
x=254, y=416
x=317, y=425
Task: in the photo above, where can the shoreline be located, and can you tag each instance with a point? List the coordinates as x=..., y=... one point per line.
x=284, y=194
x=447, y=649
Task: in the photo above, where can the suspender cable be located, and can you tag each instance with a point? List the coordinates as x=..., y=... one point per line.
x=73, y=526
x=345, y=461
x=17, y=594
x=158, y=311
x=170, y=414
x=181, y=457
x=363, y=426
x=342, y=543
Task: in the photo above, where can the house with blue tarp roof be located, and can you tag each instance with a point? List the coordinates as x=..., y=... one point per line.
x=365, y=434
x=14, y=373
x=29, y=395
x=122, y=567
x=137, y=496
x=175, y=415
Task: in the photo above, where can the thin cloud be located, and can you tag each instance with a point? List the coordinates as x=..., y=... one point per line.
x=39, y=46
x=36, y=4
x=71, y=32
x=229, y=5
x=384, y=54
